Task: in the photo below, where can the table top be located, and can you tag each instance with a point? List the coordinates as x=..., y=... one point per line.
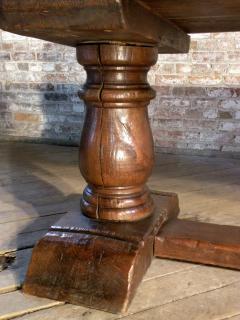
x=162, y=22
x=194, y=16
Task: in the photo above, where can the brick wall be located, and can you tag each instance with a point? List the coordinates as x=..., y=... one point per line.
x=197, y=108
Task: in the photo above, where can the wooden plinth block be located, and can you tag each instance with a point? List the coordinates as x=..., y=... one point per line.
x=204, y=243
x=94, y=263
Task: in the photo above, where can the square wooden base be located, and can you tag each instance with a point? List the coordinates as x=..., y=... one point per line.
x=94, y=263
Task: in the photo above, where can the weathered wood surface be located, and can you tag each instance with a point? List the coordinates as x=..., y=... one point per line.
x=16, y=304
x=24, y=228
x=73, y=261
x=201, y=191
x=217, y=304
x=70, y=22
x=197, y=290
x=28, y=192
x=198, y=242
x=208, y=293
x=11, y=211
x=74, y=22
x=12, y=277
x=195, y=16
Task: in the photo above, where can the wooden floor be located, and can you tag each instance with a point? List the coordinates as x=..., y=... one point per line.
x=39, y=183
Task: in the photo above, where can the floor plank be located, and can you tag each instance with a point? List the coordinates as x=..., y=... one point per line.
x=179, y=285
x=22, y=241
x=16, y=304
x=44, y=181
x=155, y=293
x=53, y=206
x=11, y=232
x=12, y=277
x=204, y=306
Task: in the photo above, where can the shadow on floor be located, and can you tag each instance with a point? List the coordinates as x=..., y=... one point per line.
x=33, y=190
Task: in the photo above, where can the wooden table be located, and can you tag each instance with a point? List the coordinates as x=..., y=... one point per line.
x=98, y=255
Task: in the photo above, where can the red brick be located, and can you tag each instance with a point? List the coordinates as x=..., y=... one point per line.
x=26, y=117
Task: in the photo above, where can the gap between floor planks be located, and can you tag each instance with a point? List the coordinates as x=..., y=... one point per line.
x=181, y=167
x=11, y=279
x=175, y=296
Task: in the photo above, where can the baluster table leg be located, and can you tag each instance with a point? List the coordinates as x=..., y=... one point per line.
x=97, y=256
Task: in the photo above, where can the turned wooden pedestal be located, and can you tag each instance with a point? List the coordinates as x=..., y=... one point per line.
x=98, y=255
x=116, y=149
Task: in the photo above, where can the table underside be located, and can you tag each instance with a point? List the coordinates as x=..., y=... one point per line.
x=194, y=16
x=166, y=22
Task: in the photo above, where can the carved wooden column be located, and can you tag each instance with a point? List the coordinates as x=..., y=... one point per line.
x=116, y=150
x=98, y=255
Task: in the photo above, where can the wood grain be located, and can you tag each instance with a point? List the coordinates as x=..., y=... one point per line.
x=116, y=158
x=205, y=185
x=73, y=261
x=15, y=304
x=12, y=277
x=77, y=21
x=194, y=16
x=111, y=20
x=205, y=243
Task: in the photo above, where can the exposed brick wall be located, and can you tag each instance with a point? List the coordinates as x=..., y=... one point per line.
x=197, y=108
x=39, y=82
